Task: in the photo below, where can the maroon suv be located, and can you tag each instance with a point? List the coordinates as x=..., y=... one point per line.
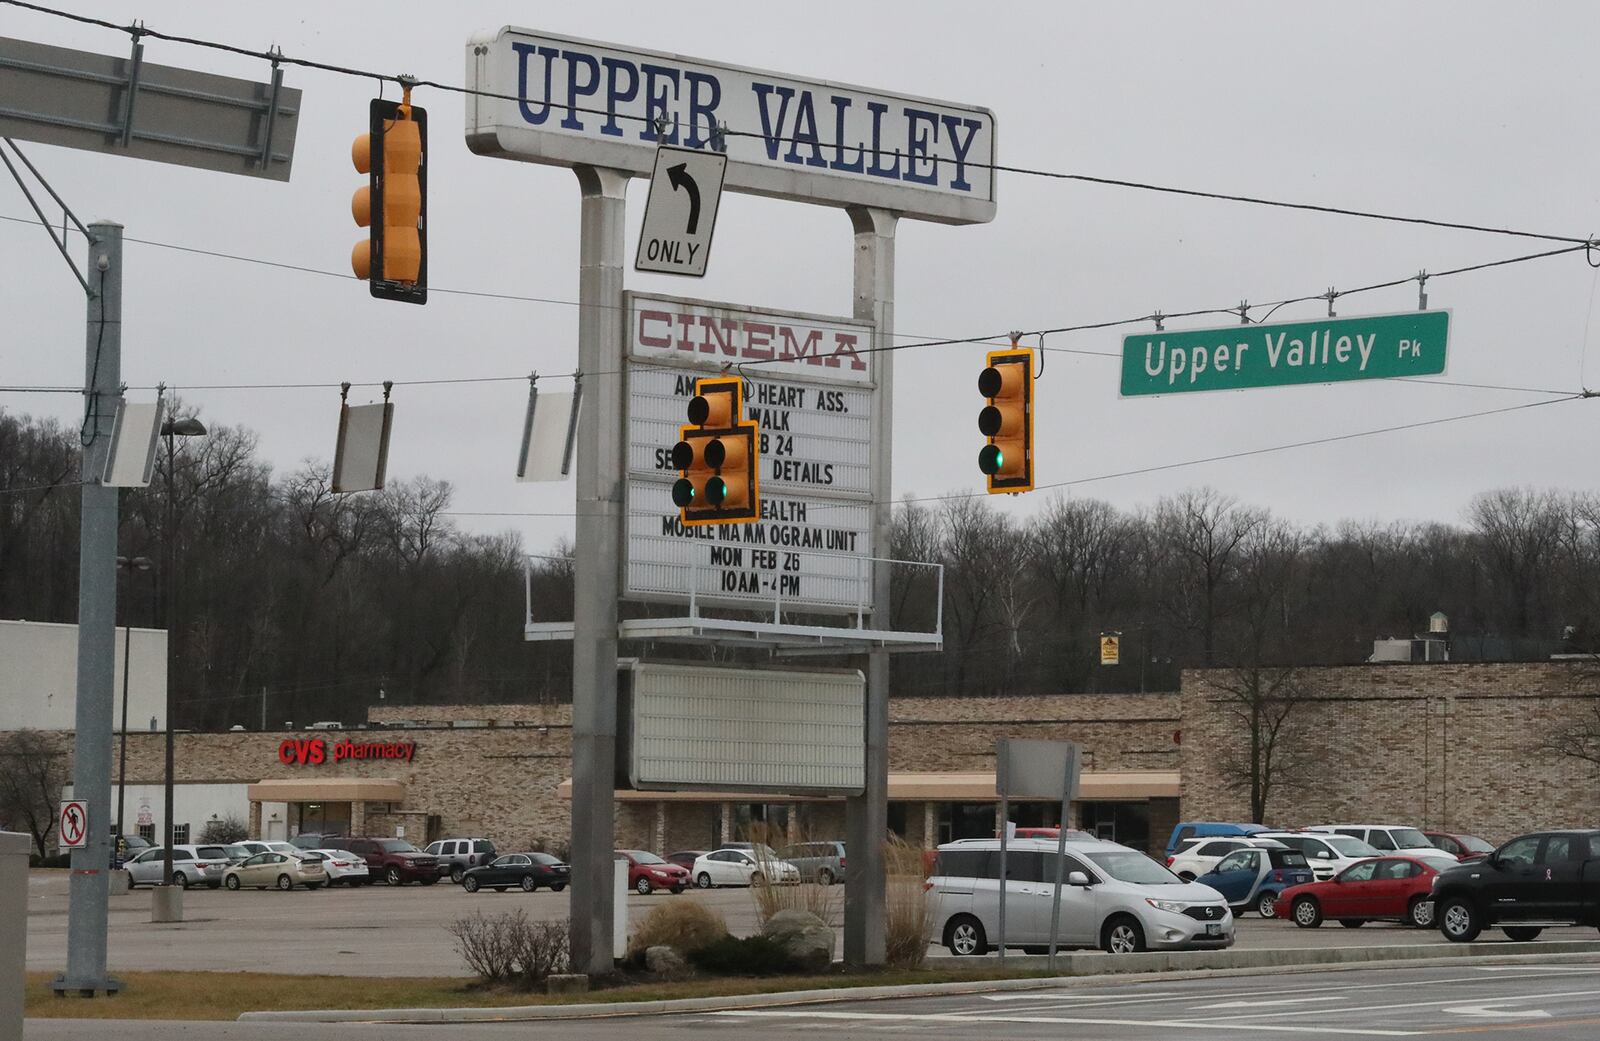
x=396, y=861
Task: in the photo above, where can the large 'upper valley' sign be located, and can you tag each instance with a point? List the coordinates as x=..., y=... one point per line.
x=566, y=101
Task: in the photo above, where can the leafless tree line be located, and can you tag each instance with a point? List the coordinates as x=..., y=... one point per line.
x=1205, y=579
x=319, y=600
x=323, y=600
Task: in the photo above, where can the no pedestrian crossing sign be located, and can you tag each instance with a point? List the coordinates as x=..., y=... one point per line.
x=74, y=824
x=1332, y=350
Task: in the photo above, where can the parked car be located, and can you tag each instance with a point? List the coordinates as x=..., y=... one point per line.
x=317, y=840
x=1550, y=878
x=1197, y=856
x=1394, y=889
x=226, y=852
x=255, y=846
x=684, y=858
x=1253, y=878
x=457, y=855
x=344, y=867
x=819, y=862
x=396, y=861
x=739, y=867
x=1327, y=853
x=1048, y=833
x=1207, y=830
x=648, y=872
x=1114, y=898
x=1392, y=838
x=276, y=871
x=188, y=868
x=528, y=870
x=1462, y=847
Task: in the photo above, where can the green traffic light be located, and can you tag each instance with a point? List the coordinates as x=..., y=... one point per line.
x=683, y=493
x=991, y=459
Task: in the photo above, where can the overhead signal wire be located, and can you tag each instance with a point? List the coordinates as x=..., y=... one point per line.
x=918, y=341
x=276, y=56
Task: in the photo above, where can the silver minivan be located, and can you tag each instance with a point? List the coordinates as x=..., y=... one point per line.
x=1113, y=897
x=189, y=867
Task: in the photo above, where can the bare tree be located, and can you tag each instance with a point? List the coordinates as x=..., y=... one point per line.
x=32, y=773
x=1266, y=703
x=1200, y=532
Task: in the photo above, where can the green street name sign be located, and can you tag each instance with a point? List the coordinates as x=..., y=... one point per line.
x=1373, y=347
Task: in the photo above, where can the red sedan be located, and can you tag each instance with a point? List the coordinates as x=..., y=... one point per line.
x=648, y=872
x=1391, y=889
x=1462, y=847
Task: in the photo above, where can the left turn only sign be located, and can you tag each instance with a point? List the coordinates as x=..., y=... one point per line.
x=74, y=824
x=681, y=211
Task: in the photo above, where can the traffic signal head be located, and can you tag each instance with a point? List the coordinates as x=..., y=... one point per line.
x=1007, y=420
x=394, y=203
x=716, y=457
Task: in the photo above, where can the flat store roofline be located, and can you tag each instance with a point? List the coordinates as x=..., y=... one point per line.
x=1108, y=786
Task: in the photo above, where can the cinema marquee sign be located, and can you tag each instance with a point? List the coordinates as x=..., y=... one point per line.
x=315, y=751
x=565, y=101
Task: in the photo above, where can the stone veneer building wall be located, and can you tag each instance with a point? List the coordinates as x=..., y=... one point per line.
x=1452, y=746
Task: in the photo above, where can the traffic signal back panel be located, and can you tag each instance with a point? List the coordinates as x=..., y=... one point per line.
x=1007, y=420
x=717, y=457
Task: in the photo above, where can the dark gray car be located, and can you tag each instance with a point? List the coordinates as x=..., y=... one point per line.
x=820, y=862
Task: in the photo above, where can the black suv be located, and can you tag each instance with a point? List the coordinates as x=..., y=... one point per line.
x=1533, y=882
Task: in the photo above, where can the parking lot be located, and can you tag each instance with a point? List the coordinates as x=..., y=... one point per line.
x=383, y=931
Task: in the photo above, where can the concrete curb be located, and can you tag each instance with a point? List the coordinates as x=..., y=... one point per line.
x=1081, y=970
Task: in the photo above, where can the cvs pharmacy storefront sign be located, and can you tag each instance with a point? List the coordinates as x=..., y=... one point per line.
x=316, y=751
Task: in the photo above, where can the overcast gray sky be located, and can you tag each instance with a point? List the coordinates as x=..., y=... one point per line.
x=1460, y=111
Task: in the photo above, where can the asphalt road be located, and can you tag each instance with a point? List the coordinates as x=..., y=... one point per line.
x=383, y=931
x=1492, y=1003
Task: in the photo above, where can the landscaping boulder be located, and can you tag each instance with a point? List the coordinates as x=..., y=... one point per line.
x=664, y=961
x=806, y=938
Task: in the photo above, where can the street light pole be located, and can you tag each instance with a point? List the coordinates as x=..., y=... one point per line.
x=125, y=564
x=189, y=427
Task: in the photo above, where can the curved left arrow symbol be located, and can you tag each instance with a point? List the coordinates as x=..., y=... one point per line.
x=681, y=178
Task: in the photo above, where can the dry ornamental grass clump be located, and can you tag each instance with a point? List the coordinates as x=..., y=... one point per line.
x=684, y=925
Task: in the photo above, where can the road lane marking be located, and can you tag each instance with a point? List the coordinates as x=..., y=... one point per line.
x=1409, y=1004
x=1263, y=1004
x=1488, y=1010
x=1164, y=1024
x=1067, y=995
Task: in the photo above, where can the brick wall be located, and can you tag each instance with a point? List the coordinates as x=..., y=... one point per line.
x=1118, y=732
x=1448, y=746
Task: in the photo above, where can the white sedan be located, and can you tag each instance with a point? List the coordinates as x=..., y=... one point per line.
x=343, y=867
x=738, y=867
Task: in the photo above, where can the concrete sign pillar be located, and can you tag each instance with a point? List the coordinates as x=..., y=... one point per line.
x=867, y=815
x=13, y=929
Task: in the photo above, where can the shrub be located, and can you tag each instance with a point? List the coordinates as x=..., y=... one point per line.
x=224, y=830
x=742, y=956
x=684, y=925
x=908, y=916
x=508, y=948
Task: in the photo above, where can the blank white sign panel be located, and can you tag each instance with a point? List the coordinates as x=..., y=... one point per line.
x=747, y=730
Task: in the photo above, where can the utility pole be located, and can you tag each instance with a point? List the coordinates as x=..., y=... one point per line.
x=89, y=887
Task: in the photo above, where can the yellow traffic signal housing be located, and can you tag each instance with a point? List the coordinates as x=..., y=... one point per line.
x=1007, y=420
x=717, y=456
x=394, y=204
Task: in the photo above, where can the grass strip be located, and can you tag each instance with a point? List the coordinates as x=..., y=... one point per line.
x=223, y=995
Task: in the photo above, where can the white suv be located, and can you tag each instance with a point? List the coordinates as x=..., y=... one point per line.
x=1327, y=853
x=1112, y=897
x=1393, y=838
x=1197, y=856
